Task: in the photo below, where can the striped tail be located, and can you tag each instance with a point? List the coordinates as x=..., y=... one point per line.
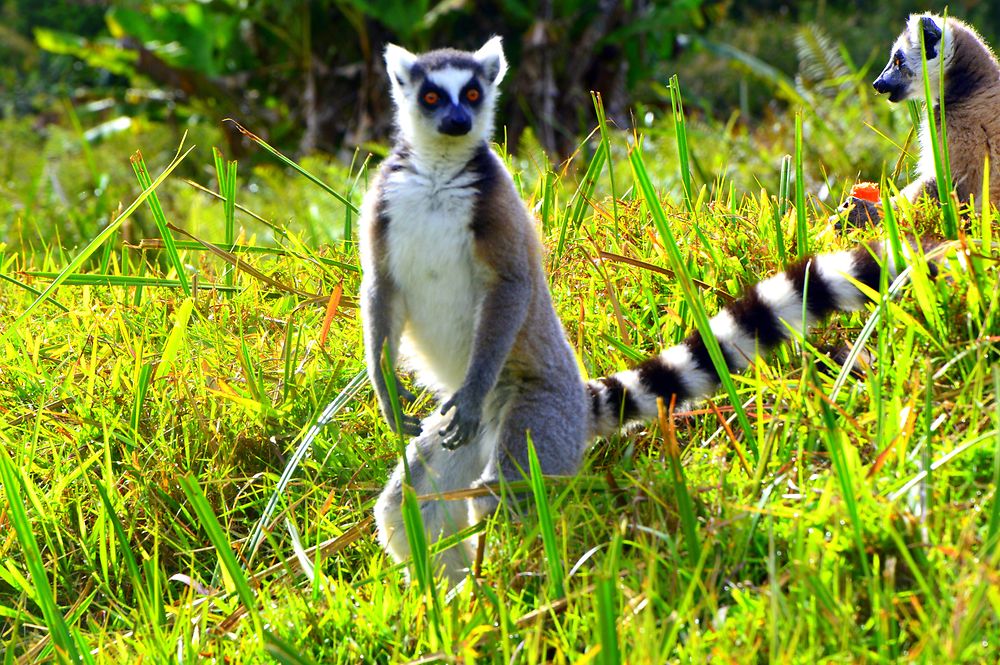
x=760, y=320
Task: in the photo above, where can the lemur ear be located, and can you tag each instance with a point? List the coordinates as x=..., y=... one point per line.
x=491, y=59
x=399, y=64
x=932, y=35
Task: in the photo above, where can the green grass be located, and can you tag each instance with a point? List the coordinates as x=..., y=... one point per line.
x=166, y=496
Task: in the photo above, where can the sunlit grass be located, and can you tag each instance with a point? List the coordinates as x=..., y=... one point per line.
x=165, y=494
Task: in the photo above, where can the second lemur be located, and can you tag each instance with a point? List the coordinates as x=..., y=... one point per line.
x=453, y=283
x=971, y=106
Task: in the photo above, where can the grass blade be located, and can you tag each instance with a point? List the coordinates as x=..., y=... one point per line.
x=290, y=163
x=65, y=645
x=417, y=540
x=32, y=290
x=334, y=407
x=160, y=219
x=685, y=507
x=680, y=135
x=545, y=523
x=225, y=173
x=581, y=199
x=939, y=149
x=282, y=651
x=801, y=227
x=782, y=209
x=138, y=281
x=692, y=295
x=243, y=266
x=607, y=615
x=845, y=472
x=210, y=523
x=993, y=530
x=150, y=615
x=602, y=122
x=895, y=244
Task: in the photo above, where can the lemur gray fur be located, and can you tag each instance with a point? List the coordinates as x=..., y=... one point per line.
x=453, y=280
x=971, y=106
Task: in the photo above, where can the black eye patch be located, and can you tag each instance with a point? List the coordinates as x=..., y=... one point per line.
x=431, y=96
x=472, y=94
x=899, y=62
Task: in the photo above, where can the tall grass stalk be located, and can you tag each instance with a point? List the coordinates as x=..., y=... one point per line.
x=13, y=482
x=225, y=174
x=993, y=528
x=602, y=122
x=692, y=294
x=986, y=218
x=422, y=560
x=801, y=226
x=685, y=507
x=896, y=256
x=145, y=181
x=343, y=398
x=607, y=621
x=845, y=468
x=545, y=523
x=580, y=203
x=942, y=168
x=295, y=166
x=234, y=573
x=685, y=161
x=782, y=208
x=680, y=136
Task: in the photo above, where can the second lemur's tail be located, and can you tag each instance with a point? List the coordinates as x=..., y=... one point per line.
x=757, y=322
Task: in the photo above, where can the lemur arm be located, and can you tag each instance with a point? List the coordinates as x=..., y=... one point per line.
x=500, y=318
x=381, y=312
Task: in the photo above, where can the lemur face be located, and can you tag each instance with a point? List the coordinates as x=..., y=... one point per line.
x=446, y=95
x=902, y=78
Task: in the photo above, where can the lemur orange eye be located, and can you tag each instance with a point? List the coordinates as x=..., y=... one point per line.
x=472, y=95
x=431, y=97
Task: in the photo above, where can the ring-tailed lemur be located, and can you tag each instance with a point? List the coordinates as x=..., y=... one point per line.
x=452, y=263
x=971, y=106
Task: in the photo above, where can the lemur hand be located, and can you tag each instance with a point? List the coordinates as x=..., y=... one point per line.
x=408, y=425
x=464, y=422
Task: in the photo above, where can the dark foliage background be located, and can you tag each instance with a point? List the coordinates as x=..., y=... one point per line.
x=309, y=76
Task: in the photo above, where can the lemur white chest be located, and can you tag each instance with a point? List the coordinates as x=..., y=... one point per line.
x=432, y=262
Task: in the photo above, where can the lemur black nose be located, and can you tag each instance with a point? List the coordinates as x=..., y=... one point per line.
x=880, y=85
x=455, y=126
x=456, y=123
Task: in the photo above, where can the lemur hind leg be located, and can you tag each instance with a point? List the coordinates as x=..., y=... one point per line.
x=433, y=470
x=555, y=418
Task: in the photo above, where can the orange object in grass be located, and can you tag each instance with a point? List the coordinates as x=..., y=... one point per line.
x=866, y=191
